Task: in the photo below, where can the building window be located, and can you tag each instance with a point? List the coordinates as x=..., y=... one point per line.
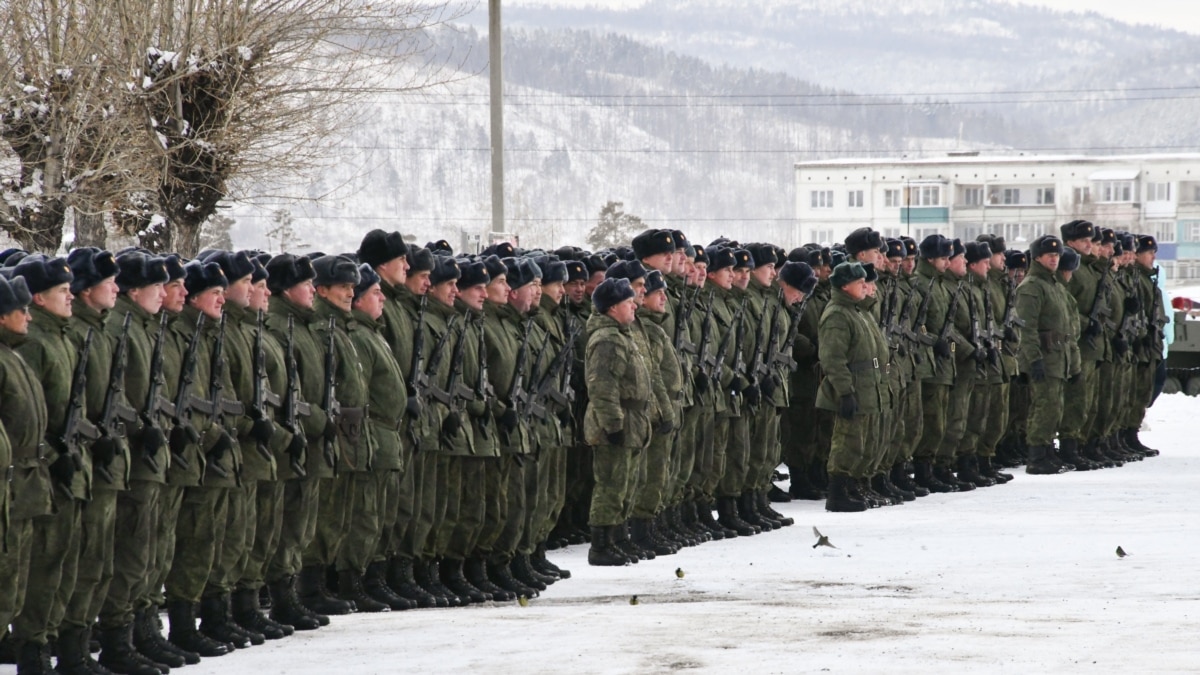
x=891, y=233
x=1168, y=269
x=1045, y=195
x=856, y=199
x=1081, y=195
x=973, y=196
x=921, y=232
x=823, y=237
x=1164, y=232
x=822, y=199
x=1191, y=231
x=891, y=198
x=1158, y=192
x=926, y=195
x=1115, y=190
x=1011, y=196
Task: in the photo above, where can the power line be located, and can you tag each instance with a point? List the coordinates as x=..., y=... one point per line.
x=580, y=103
x=782, y=151
x=1014, y=92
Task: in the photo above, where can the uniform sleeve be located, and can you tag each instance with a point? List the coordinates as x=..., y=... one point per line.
x=605, y=368
x=836, y=335
x=1029, y=308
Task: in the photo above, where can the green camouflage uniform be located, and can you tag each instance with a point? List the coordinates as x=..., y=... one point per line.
x=1046, y=308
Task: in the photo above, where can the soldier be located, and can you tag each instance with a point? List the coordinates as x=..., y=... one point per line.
x=805, y=428
x=1011, y=452
x=572, y=525
x=905, y=418
x=617, y=424
x=1045, y=356
x=1091, y=287
x=992, y=403
x=56, y=535
x=23, y=418
x=936, y=368
x=1148, y=349
x=981, y=365
x=853, y=356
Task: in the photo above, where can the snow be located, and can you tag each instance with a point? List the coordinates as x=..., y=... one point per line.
x=1022, y=577
x=245, y=52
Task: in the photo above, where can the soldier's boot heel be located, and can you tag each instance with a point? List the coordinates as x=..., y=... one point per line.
x=765, y=508
x=1039, y=464
x=315, y=596
x=728, y=518
x=968, y=472
x=926, y=478
x=500, y=573
x=215, y=622
x=73, y=654
x=987, y=468
x=904, y=482
x=350, y=589
x=542, y=564
x=747, y=510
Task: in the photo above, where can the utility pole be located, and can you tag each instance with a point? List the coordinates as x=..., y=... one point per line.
x=496, y=77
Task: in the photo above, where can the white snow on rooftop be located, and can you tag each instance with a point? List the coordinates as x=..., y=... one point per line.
x=998, y=159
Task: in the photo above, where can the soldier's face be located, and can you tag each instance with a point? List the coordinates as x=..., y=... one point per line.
x=857, y=289
x=301, y=294
x=741, y=278
x=522, y=299
x=101, y=296
x=957, y=265
x=444, y=292
x=209, y=302
x=498, y=290
x=239, y=292
x=576, y=290
x=823, y=272
x=623, y=312
x=997, y=261
x=338, y=295
x=681, y=267
x=371, y=302
x=56, y=300
x=1049, y=261
x=16, y=321
x=1146, y=259
x=555, y=291
x=939, y=264
x=892, y=265
x=474, y=296
x=592, y=282
x=1017, y=275
x=259, y=293
x=417, y=282
x=699, y=274
x=639, y=289
x=909, y=264
x=1083, y=246
x=722, y=277
x=791, y=295
x=980, y=267
x=176, y=294
x=395, y=271
x=764, y=274
x=663, y=262
x=149, y=298
x=656, y=301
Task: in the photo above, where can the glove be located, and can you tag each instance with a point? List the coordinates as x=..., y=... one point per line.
x=663, y=428
x=262, y=430
x=1010, y=334
x=413, y=407
x=701, y=382
x=1132, y=304
x=452, y=424
x=298, y=444
x=752, y=394
x=942, y=348
x=980, y=355
x=1093, y=329
x=330, y=432
x=615, y=437
x=1120, y=345
x=1074, y=379
x=848, y=407
x=183, y=435
x=768, y=386
x=1037, y=371
x=104, y=450
x=508, y=420
x=224, y=444
x=738, y=383
x=153, y=440
x=63, y=469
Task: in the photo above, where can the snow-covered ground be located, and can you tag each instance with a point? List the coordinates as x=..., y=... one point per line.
x=1022, y=578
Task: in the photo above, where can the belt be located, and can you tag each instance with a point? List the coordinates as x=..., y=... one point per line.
x=386, y=420
x=859, y=366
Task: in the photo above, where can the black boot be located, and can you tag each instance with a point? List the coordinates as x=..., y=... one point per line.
x=1068, y=451
x=475, y=569
x=946, y=475
x=314, y=594
x=1117, y=440
x=618, y=538
x=401, y=579
x=988, y=469
x=184, y=635
x=778, y=496
x=118, y=655
x=903, y=481
x=689, y=515
x=34, y=659
x=1105, y=447
x=350, y=589
x=215, y=621
x=542, y=564
x=883, y=485
x=764, y=507
x=802, y=486
x=1132, y=440
x=286, y=608
x=704, y=514
x=1052, y=455
x=1040, y=464
x=925, y=477
x=428, y=577
x=453, y=579
x=500, y=573
x=74, y=655
x=639, y=531
x=664, y=526
x=727, y=516
x=840, y=500
x=968, y=471
x=1092, y=451
x=602, y=552
x=246, y=615
x=149, y=641
x=375, y=585
x=93, y=666
x=689, y=533
x=524, y=573
x=747, y=510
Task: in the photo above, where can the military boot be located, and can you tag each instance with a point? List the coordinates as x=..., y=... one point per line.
x=1068, y=451
x=881, y=483
x=475, y=569
x=149, y=641
x=988, y=469
x=1131, y=439
x=666, y=531
x=764, y=506
x=1040, y=464
x=689, y=515
x=901, y=478
x=375, y=585
x=255, y=637
x=452, y=578
x=499, y=573
x=839, y=499
x=968, y=471
x=618, y=539
x=1091, y=450
x=925, y=477
x=246, y=614
x=182, y=615
x=801, y=486
x=118, y=655
x=747, y=510
x=428, y=577
x=1105, y=449
x=523, y=570
x=350, y=588
x=1118, y=442
x=704, y=515
x=215, y=622
x=602, y=553
x=945, y=474
x=542, y=564
x=314, y=594
x=74, y=657
x=775, y=494
x=286, y=608
x=861, y=489
x=34, y=659
x=93, y=666
x=400, y=579
x=727, y=516
x=640, y=534
x=690, y=532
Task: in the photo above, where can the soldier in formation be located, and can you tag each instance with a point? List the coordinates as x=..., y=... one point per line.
x=401, y=428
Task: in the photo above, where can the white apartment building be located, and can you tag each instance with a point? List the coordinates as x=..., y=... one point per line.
x=965, y=194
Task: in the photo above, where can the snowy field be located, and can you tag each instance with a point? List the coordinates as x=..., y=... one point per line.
x=1021, y=578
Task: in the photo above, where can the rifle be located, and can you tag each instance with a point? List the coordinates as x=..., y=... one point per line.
x=546, y=389
x=891, y=331
x=1101, y=309
x=990, y=329
x=262, y=395
x=518, y=397
x=573, y=328
x=435, y=360
x=944, y=334
x=77, y=427
x=784, y=357
x=185, y=400
x=921, y=335
x=723, y=351
x=221, y=405
x=155, y=402
x=981, y=340
x=1011, y=318
x=293, y=406
x=115, y=412
x=763, y=361
x=460, y=395
x=682, y=345
x=531, y=405
x=706, y=362
x=417, y=378
x=483, y=386
x=329, y=401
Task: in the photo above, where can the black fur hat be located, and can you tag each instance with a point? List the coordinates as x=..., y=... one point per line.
x=720, y=257
x=1016, y=260
x=653, y=242
x=445, y=269
x=895, y=249
x=1069, y=262
x=743, y=259
x=14, y=295
x=1076, y=229
x=1044, y=244
x=626, y=269
x=576, y=271
x=474, y=273
x=260, y=271
x=174, y=265
x=366, y=279
x=234, y=265
x=798, y=275
x=335, y=269
x=611, y=292
x=202, y=276
x=379, y=247
x=699, y=256
x=910, y=247
x=90, y=266
x=936, y=246
x=519, y=272
x=1146, y=243
x=762, y=254
x=419, y=260
x=440, y=246
x=287, y=270
x=846, y=273
x=502, y=250
x=977, y=250
x=655, y=281
x=42, y=273
x=862, y=239
x=494, y=267
x=137, y=270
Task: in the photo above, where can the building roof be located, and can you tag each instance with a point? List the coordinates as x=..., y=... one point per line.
x=972, y=159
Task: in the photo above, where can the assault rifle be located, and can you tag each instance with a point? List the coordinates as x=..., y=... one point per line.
x=518, y=396
x=293, y=406
x=1101, y=310
x=783, y=357
x=483, y=385
x=735, y=328
x=892, y=331
x=706, y=362
x=918, y=333
x=76, y=427
x=682, y=344
x=115, y=413
x=155, y=402
x=460, y=395
x=550, y=386
x=262, y=395
x=1011, y=318
x=952, y=310
x=221, y=405
x=333, y=408
x=417, y=380
x=435, y=360
x=760, y=362
x=185, y=400
x=979, y=337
